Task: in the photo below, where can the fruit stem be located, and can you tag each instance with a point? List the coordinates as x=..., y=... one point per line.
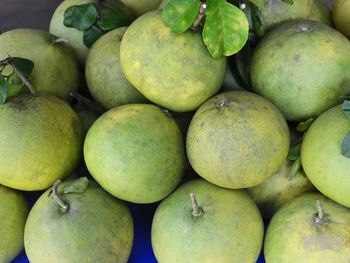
x=321, y=218
x=63, y=204
x=197, y=211
x=200, y=15
x=59, y=40
x=9, y=61
x=82, y=101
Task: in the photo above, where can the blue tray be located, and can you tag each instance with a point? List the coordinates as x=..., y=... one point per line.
x=142, y=249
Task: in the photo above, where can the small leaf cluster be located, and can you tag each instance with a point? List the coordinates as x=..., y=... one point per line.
x=89, y=18
x=13, y=70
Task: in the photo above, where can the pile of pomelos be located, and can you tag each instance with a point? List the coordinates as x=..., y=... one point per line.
x=170, y=123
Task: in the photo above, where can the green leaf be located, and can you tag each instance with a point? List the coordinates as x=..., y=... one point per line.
x=78, y=186
x=304, y=126
x=25, y=66
x=179, y=15
x=345, y=146
x=260, y=4
x=294, y=152
x=3, y=89
x=256, y=20
x=14, y=85
x=346, y=109
x=114, y=19
x=291, y=2
x=295, y=168
x=67, y=20
x=84, y=16
x=226, y=30
x=91, y=35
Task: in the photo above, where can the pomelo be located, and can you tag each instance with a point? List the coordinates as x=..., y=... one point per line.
x=321, y=155
x=136, y=153
x=41, y=141
x=321, y=12
x=273, y=193
x=237, y=139
x=104, y=75
x=222, y=225
x=175, y=71
x=56, y=70
x=139, y=8
x=13, y=215
x=88, y=226
x=298, y=232
x=303, y=67
x=341, y=17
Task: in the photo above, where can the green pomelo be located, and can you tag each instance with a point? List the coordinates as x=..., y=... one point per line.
x=279, y=189
x=341, y=17
x=139, y=8
x=325, y=166
x=13, y=215
x=320, y=12
x=104, y=76
x=303, y=67
x=74, y=36
x=56, y=70
x=228, y=227
x=294, y=235
x=41, y=141
x=87, y=118
x=136, y=153
x=277, y=12
x=175, y=71
x=96, y=228
x=237, y=140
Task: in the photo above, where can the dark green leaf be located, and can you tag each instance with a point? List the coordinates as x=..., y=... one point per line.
x=78, y=186
x=179, y=15
x=260, y=4
x=67, y=21
x=3, y=89
x=294, y=152
x=346, y=109
x=91, y=35
x=304, y=126
x=226, y=30
x=295, y=168
x=289, y=1
x=84, y=16
x=25, y=66
x=345, y=146
x=113, y=19
x=256, y=20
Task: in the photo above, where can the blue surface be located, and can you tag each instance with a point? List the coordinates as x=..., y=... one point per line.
x=142, y=248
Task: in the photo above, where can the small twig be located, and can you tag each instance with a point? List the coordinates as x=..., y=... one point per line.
x=57, y=198
x=321, y=218
x=59, y=40
x=196, y=210
x=320, y=209
x=200, y=14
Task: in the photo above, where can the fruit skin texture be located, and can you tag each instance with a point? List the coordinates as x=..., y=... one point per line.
x=41, y=141
x=97, y=228
x=13, y=215
x=173, y=70
x=237, y=140
x=293, y=236
x=136, y=153
x=104, y=75
x=56, y=70
x=340, y=11
x=320, y=12
x=303, y=67
x=321, y=155
x=277, y=12
x=139, y=8
x=230, y=218
x=273, y=193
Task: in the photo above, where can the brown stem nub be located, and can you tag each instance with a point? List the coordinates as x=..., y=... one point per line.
x=197, y=211
x=63, y=204
x=321, y=218
x=9, y=61
x=200, y=14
